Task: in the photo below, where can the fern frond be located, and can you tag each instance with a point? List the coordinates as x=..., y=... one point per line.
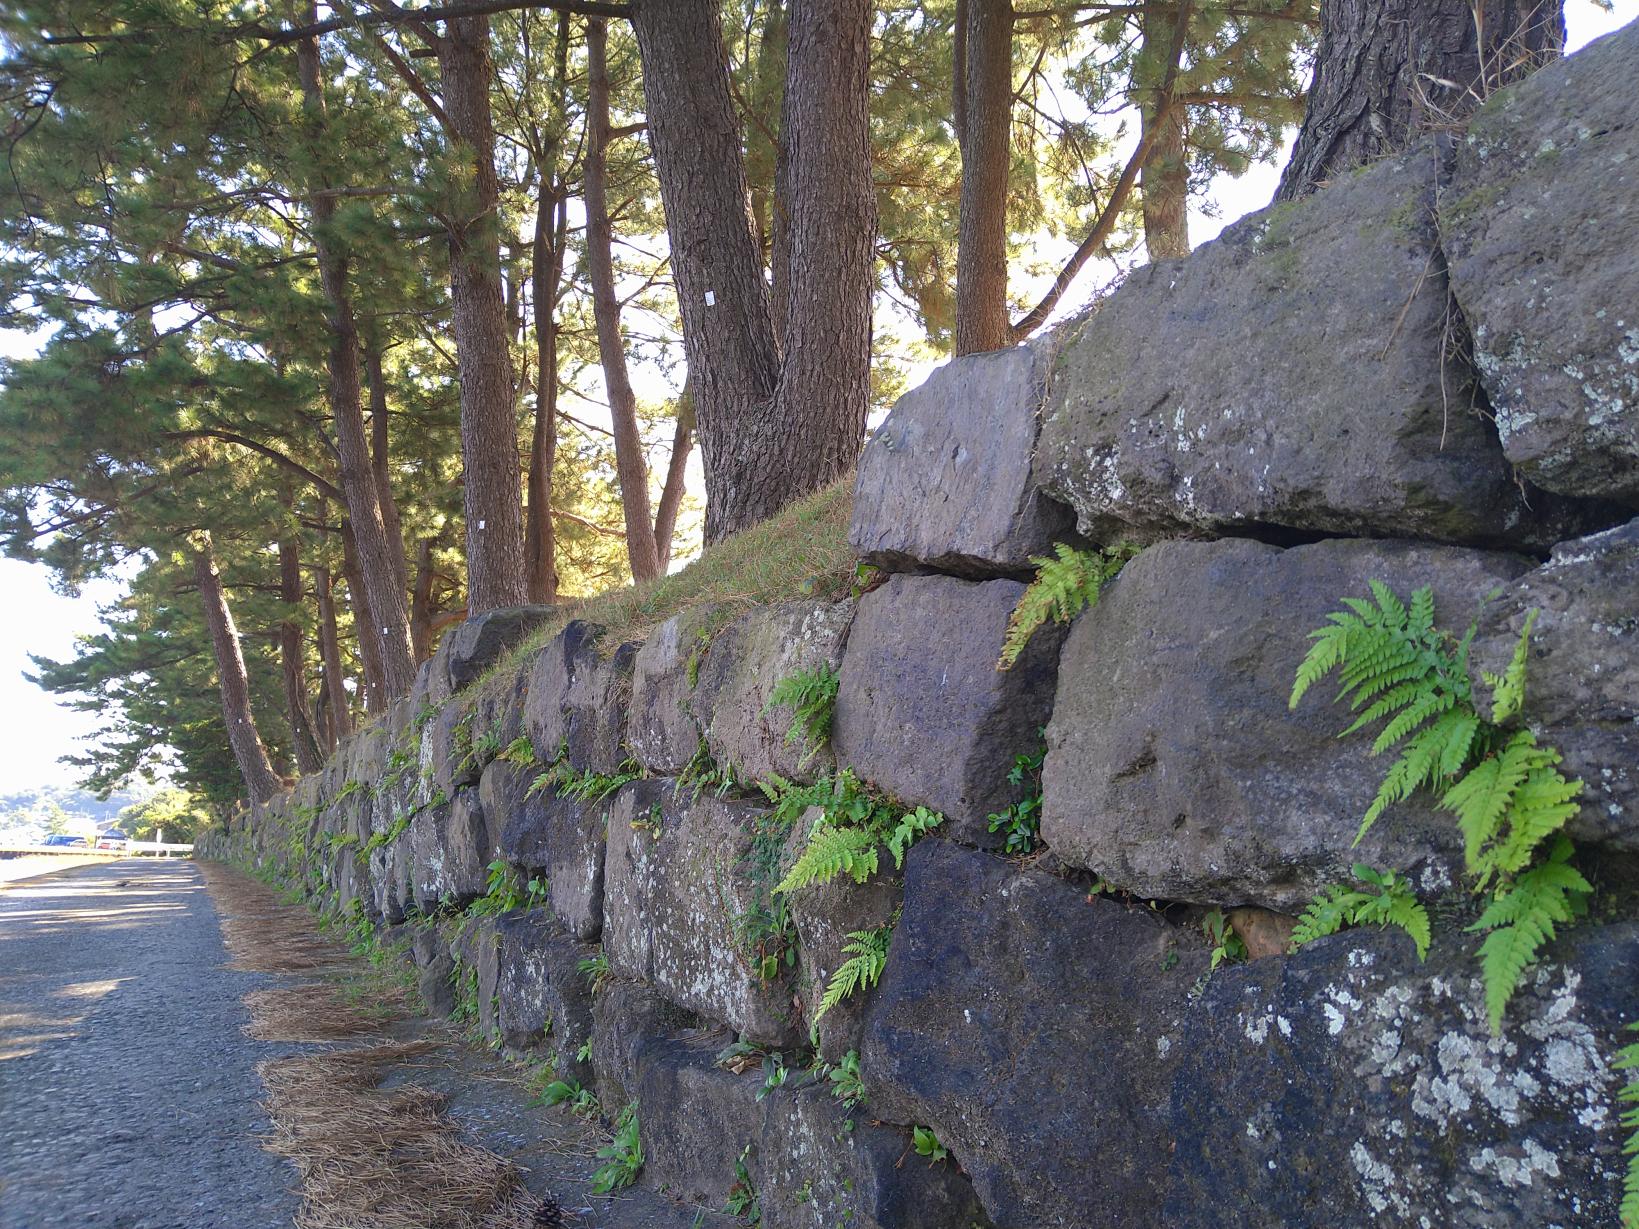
x=1420, y=764
x=1482, y=797
x=908, y=830
x=1627, y=1059
x=1520, y=919
x=1065, y=585
x=1543, y=804
x=863, y=968
x=1508, y=688
x=830, y=853
x=1325, y=915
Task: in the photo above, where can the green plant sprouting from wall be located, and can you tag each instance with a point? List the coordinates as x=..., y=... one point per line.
x=1021, y=820
x=565, y=781
x=765, y=933
x=1393, y=903
x=867, y=952
x=847, y=1085
x=927, y=1144
x=622, y=1157
x=1627, y=1059
x=1227, y=946
x=505, y=891
x=811, y=695
x=1507, y=793
x=1066, y=583
x=853, y=828
x=742, y=1198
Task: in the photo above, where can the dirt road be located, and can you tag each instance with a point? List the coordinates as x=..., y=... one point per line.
x=128, y=1093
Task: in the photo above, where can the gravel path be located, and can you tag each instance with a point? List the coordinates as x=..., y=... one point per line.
x=128, y=1092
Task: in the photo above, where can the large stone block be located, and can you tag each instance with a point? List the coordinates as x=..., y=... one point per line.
x=662, y=726
x=1036, y=1030
x=672, y=899
x=447, y=750
x=1175, y=768
x=628, y=1016
x=945, y=481
x=1291, y=374
x=479, y=641
x=1582, y=676
x=695, y=1117
x=921, y=708
x=746, y=661
x=543, y=1001
x=451, y=847
x=1349, y=1085
x=560, y=839
x=823, y=1166
x=1538, y=226
x=577, y=700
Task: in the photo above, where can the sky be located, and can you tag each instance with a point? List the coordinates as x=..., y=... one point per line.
x=35, y=731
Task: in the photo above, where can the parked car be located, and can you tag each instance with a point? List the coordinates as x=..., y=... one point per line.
x=66, y=840
x=113, y=839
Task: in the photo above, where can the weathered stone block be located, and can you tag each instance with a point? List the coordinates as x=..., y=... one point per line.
x=577, y=700
x=678, y=1081
x=1351, y=1086
x=1291, y=373
x=747, y=660
x=559, y=839
x=543, y=1001
x=1538, y=226
x=626, y=1017
x=945, y=481
x=1175, y=768
x=662, y=726
x=479, y=641
x=921, y=708
x=671, y=900
x=447, y=750
x=452, y=847
x=1036, y=1031
x=1582, y=677
x=823, y=1165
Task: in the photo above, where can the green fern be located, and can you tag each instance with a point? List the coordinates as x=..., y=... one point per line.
x=847, y=838
x=811, y=695
x=831, y=853
x=1509, y=804
x=1627, y=1059
x=1392, y=904
x=863, y=969
x=1508, y=688
x=1065, y=585
x=1521, y=917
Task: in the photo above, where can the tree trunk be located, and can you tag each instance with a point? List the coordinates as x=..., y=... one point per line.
x=303, y=741
x=546, y=278
x=380, y=559
x=727, y=333
x=1387, y=70
x=825, y=371
x=340, y=723
x=376, y=695
x=631, y=467
x=491, y=493
x=261, y=782
x=671, y=494
x=421, y=601
x=985, y=114
x=380, y=463
x=1163, y=184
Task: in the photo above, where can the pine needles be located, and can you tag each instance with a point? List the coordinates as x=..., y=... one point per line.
x=1508, y=796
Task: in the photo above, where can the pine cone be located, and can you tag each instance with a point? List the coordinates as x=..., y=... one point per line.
x=549, y=1215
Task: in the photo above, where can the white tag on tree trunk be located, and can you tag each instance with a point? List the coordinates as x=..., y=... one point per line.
x=480, y=524
x=711, y=298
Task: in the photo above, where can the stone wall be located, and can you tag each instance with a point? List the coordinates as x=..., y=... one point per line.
x=1427, y=374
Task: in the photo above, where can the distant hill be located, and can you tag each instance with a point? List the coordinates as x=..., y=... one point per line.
x=34, y=812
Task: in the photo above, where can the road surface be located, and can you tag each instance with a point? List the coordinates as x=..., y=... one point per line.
x=128, y=1092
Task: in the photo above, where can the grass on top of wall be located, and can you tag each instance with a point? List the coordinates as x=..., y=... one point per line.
x=802, y=552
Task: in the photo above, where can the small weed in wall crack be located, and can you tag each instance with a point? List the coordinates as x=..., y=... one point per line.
x=1065, y=585
x=1392, y=904
x=811, y=695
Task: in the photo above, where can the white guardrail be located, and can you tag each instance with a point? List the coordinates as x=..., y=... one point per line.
x=131, y=848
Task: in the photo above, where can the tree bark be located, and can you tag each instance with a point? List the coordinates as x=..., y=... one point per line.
x=727, y=332
x=491, y=493
x=825, y=371
x=421, y=604
x=767, y=436
x=631, y=467
x=985, y=113
x=380, y=559
x=546, y=279
x=303, y=741
x=671, y=493
x=1163, y=184
x=376, y=695
x=340, y=721
x=261, y=782
x=1387, y=70
x=380, y=463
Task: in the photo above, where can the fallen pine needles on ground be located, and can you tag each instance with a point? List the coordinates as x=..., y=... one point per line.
x=262, y=933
